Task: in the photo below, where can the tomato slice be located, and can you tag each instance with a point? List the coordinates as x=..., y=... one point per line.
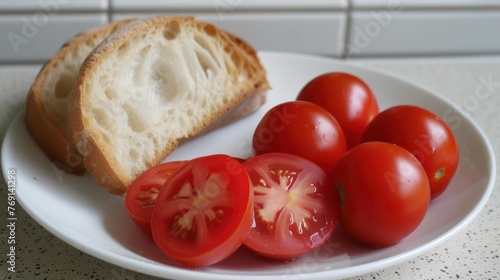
x=296, y=209
x=141, y=195
x=204, y=212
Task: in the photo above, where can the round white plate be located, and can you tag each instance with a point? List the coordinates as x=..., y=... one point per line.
x=78, y=211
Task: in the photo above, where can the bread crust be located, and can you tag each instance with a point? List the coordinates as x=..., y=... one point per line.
x=86, y=140
x=49, y=132
x=253, y=100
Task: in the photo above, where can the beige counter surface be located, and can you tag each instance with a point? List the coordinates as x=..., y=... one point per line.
x=473, y=253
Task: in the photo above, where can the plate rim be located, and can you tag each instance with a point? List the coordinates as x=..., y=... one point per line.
x=154, y=270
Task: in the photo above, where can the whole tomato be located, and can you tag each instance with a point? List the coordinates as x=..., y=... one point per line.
x=303, y=129
x=347, y=98
x=422, y=133
x=384, y=193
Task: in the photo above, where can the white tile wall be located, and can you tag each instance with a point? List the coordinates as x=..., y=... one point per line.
x=216, y=6
x=31, y=30
x=410, y=33
x=425, y=4
x=34, y=37
x=319, y=33
x=53, y=6
x=314, y=26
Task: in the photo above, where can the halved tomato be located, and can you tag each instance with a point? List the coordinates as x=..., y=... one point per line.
x=296, y=208
x=141, y=195
x=204, y=212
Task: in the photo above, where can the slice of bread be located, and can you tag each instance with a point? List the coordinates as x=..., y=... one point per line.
x=154, y=83
x=48, y=98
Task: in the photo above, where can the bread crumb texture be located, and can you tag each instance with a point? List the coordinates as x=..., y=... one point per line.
x=59, y=75
x=162, y=84
x=60, y=81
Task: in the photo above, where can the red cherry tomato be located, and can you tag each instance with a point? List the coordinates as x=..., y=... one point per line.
x=347, y=98
x=204, y=212
x=301, y=128
x=384, y=193
x=422, y=133
x=296, y=208
x=141, y=195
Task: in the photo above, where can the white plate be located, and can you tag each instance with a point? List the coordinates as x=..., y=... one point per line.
x=78, y=211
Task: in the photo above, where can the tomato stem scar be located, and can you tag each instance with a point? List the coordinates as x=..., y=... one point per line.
x=341, y=192
x=439, y=174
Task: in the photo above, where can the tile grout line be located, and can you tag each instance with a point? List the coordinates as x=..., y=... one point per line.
x=109, y=11
x=347, y=28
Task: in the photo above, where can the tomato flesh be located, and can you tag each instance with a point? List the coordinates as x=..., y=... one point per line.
x=141, y=195
x=204, y=212
x=296, y=209
x=384, y=193
x=422, y=133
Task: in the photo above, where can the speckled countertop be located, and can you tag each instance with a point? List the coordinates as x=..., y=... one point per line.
x=473, y=253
